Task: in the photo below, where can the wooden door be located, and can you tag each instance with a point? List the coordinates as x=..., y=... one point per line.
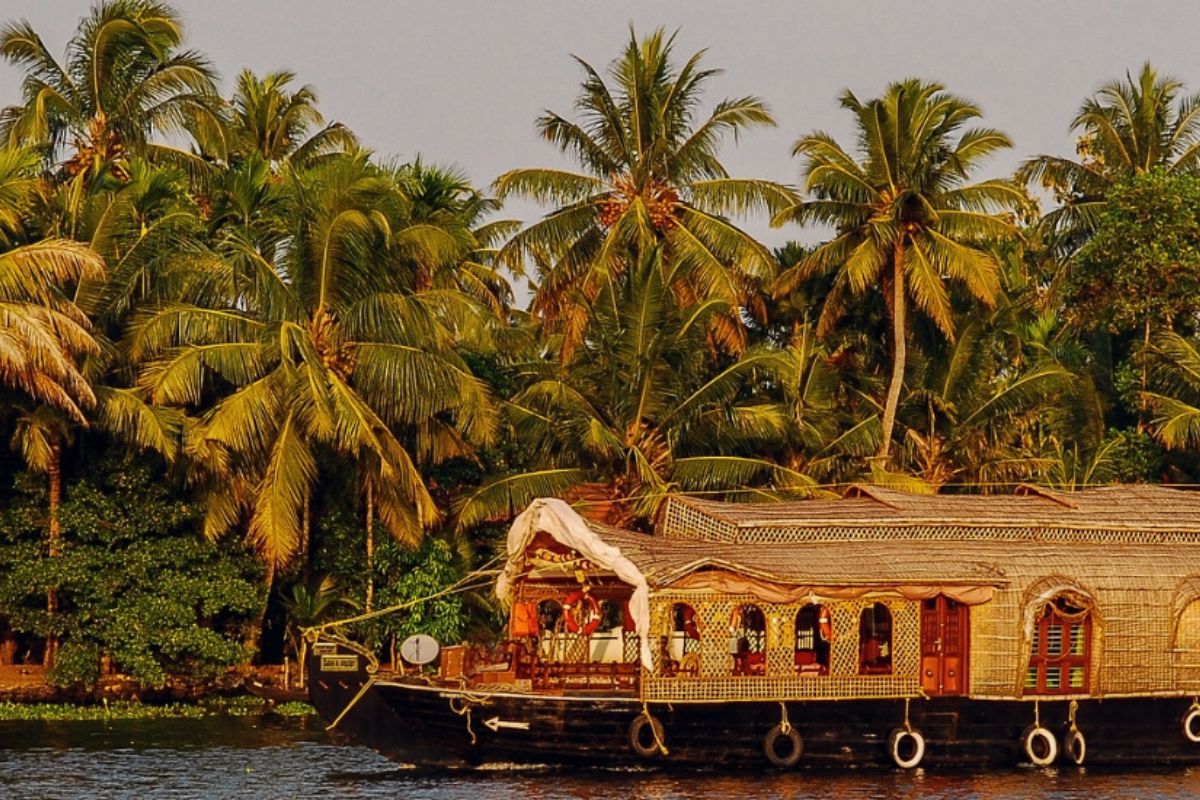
x=945, y=636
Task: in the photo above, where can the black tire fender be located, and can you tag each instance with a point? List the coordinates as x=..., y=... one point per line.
x=1074, y=746
x=647, y=726
x=771, y=743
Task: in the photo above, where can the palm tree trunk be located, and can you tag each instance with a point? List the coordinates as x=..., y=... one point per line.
x=54, y=537
x=899, y=353
x=254, y=631
x=306, y=537
x=1143, y=422
x=370, y=547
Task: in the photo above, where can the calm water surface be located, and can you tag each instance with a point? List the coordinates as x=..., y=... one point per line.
x=259, y=758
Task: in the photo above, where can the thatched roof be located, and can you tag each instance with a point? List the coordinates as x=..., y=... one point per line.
x=662, y=561
x=1031, y=512
x=1132, y=536
x=907, y=561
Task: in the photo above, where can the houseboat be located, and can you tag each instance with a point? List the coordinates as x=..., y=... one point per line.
x=880, y=628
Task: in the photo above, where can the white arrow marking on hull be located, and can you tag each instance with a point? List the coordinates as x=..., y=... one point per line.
x=495, y=723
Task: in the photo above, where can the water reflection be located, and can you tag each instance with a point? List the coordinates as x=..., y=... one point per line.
x=251, y=758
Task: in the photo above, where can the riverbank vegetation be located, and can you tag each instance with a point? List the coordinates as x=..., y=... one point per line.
x=125, y=709
x=256, y=376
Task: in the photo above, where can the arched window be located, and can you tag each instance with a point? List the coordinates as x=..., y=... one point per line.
x=612, y=614
x=1186, y=644
x=748, y=640
x=1187, y=631
x=554, y=643
x=814, y=636
x=875, y=640
x=550, y=616
x=607, y=644
x=685, y=632
x=1060, y=648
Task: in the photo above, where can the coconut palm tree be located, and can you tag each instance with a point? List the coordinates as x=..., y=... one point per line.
x=972, y=414
x=1127, y=128
x=650, y=177
x=906, y=214
x=1174, y=364
x=644, y=409
x=445, y=198
x=42, y=333
x=309, y=604
x=318, y=359
x=280, y=125
x=123, y=81
x=51, y=348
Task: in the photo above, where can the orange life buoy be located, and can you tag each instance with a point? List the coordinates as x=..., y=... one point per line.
x=581, y=613
x=824, y=624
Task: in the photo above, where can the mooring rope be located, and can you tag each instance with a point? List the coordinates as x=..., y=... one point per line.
x=475, y=579
x=370, y=682
x=658, y=741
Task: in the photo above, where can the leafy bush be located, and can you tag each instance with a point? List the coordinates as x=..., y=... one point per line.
x=135, y=579
x=401, y=575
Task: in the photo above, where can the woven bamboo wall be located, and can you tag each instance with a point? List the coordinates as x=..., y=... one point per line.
x=1186, y=652
x=1132, y=647
x=1132, y=623
x=716, y=683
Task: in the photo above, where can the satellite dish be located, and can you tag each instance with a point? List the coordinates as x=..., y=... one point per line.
x=419, y=649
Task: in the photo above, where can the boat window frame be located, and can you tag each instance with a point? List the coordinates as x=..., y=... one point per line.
x=752, y=659
x=820, y=647
x=1041, y=660
x=884, y=663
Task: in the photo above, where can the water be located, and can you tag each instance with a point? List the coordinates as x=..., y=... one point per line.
x=252, y=758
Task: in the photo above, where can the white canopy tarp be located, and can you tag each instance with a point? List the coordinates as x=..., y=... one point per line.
x=561, y=521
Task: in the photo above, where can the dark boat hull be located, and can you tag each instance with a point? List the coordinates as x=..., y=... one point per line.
x=414, y=722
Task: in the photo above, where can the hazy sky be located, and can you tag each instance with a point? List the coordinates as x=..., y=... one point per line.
x=462, y=82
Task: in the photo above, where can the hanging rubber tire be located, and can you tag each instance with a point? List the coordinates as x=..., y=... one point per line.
x=1075, y=747
x=645, y=736
x=1191, y=725
x=906, y=746
x=793, y=749
x=1040, y=746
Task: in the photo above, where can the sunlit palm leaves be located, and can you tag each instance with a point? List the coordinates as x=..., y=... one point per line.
x=43, y=335
x=1127, y=127
x=650, y=178
x=972, y=417
x=642, y=410
x=907, y=217
x=334, y=350
x=276, y=124
x=122, y=81
x=1174, y=362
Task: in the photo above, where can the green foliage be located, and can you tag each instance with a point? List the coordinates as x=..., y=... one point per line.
x=127, y=709
x=1135, y=457
x=135, y=581
x=20, y=712
x=294, y=709
x=402, y=574
x=1142, y=265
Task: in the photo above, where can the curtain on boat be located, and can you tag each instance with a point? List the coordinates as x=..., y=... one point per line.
x=561, y=521
x=768, y=592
